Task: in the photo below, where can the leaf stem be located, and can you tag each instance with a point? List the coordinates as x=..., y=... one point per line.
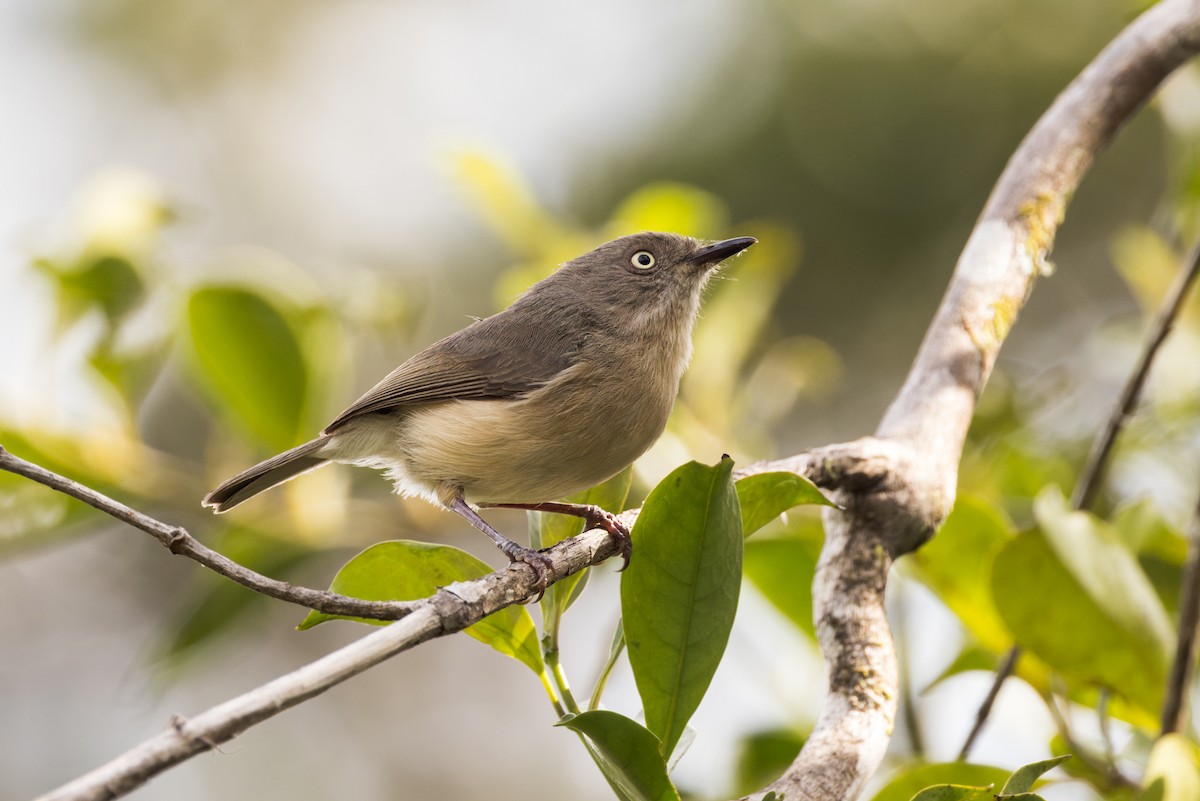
x=614, y=654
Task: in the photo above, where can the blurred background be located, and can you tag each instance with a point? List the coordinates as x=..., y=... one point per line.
x=220, y=222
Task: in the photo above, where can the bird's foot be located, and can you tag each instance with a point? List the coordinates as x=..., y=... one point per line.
x=595, y=517
x=541, y=565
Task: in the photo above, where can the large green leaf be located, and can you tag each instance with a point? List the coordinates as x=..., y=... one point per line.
x=782, y=566
x=912, y=779
x=680, y=593
x=1071, y=594
x=248, y=359
x=549, y=529
x=765, y=496
x=404, y=570
x=627, y=753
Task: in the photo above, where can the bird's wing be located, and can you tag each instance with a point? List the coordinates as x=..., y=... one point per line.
x=488, y=360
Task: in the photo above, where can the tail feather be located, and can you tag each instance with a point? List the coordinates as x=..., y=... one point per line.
x=275, y=470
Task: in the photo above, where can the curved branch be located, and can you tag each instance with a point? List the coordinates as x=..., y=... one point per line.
x=926, y=425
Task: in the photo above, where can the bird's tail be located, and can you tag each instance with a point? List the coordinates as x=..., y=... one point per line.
x=275, y=470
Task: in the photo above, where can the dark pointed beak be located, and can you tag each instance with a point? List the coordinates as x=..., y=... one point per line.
x=719, y=251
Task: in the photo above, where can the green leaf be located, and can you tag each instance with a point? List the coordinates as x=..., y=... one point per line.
x=955, y=563
x=404, y=570
x=1022, y=779
x=627, y=753
x=1072, y=595
x=763, y=756
x=1093, y=552
x=952, y=792
x=781, y=567
x=1172, y=772
x=765, y=496
x=912, y=779
x=109, y=282
x=680, y=593
x=547, y=529
x=248, y=359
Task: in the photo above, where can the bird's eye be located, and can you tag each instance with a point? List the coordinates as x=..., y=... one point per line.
x=642, y=260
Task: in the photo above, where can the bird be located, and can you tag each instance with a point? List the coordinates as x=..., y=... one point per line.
x=560, y=391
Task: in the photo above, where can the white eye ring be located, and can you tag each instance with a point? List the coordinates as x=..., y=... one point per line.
x=642, y=260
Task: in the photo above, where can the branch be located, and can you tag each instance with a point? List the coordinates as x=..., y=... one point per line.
x=1175, y=707
x=179, y=541
x=452, y=609
x=1168, y=313
x=926, y=425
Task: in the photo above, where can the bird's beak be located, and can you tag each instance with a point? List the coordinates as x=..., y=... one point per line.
x=719, y=251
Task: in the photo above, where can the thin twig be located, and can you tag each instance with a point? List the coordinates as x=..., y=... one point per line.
x=985, y=709
x=1116, y=779
x=1102, y=446
x=1168, y=313
x=1175, y=706
x=179, y=541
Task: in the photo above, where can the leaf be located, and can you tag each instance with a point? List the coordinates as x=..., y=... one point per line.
x=404, y=570
x=1093, y=553
x=109, y=282
x=765, y=496
x=627, y=753
x=912, y=779
x=955, y=563
x=1022, y=779
x=952, y=792
x=1072, y=595
x=549, y=529
x=782, y=566
x=680, y=593
x=248, y=359
x=1173, y=771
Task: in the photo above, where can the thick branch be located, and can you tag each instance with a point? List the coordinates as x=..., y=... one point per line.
x=926, y=425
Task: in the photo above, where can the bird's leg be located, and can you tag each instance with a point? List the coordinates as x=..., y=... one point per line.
x=516, y=553
x=593, y=517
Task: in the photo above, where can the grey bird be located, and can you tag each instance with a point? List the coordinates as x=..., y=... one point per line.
x=555, y=394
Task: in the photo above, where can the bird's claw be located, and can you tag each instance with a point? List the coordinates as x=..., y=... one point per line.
x=541, y=565
x=616, y=528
